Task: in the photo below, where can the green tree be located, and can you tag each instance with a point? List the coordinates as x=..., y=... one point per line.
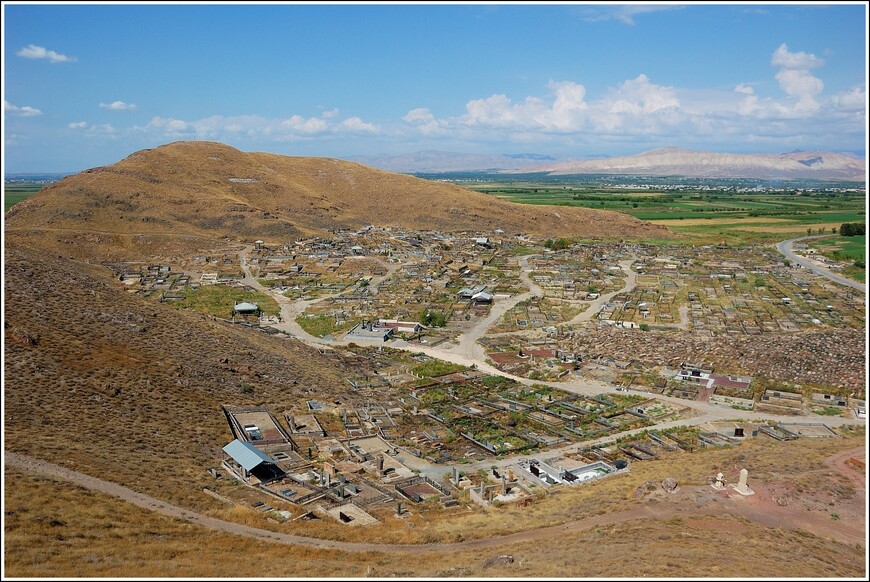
x=432, y=318
x=853, y=229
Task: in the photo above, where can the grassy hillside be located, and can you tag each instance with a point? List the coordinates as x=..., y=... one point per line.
x=212, y=190
x=109, y=384
x=54, y=527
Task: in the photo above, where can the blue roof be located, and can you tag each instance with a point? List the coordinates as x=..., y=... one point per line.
x=246, y=454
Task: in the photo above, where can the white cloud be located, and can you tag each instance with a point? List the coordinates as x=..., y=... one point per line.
x=311, y=125
x=636, y=106
x=357, y=125
x=118, y=106
x=25, y=111
x=643, y=113
x=795, y=79
x=567, y=112
x=623, y=13
x=170, y=126
x=105, y=128
x=78, y=125
x=639, y=95
x=424, y=121
x=748, y=105
x=420, y=115
x=219, y=127
x=32, y=51
x=787, y=60
x=854, y=99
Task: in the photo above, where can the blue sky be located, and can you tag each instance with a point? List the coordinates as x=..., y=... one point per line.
x=86, y=85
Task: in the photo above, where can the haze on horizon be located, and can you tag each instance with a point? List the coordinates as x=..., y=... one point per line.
x=571, y=81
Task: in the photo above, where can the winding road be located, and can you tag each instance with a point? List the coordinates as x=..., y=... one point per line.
x=468, y=352
x=785, y=247
x=691, y=502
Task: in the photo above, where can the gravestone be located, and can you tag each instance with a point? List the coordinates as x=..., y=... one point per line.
x=742, y=488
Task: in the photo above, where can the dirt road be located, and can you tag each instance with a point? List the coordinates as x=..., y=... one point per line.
x=689, y=501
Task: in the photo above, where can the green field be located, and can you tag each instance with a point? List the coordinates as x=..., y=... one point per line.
x=15, y=193
x=846, y=248
x=734, y=215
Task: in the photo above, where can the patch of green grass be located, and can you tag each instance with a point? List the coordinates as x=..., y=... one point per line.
x=521, y=251
x=829, y=411
x=799, y=208
x=436, y=368
x=322, y=325
x=219, y=300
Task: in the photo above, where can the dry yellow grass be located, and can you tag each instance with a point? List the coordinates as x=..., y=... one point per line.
x=57, y=529
x=800, y=228
x=194, y=188
x=718, y=221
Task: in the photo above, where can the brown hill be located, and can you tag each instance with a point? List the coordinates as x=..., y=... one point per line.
x=212, y=190
x=116, y=386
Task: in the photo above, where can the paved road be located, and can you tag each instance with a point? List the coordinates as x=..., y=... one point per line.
x=785, y=247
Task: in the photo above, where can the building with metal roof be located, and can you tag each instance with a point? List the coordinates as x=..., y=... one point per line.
x=252, y=461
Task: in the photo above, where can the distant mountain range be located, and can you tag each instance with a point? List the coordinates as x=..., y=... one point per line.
x=441, y=161
x=701, y=164
x=668, y=161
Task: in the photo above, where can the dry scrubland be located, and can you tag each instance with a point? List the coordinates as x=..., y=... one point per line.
x=804, y=475
x=109, y=384
x=105, y=383
x=52, y=527
x=213, y=190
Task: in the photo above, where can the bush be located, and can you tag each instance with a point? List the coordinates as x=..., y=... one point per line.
x=853, y=229
x=431, y=318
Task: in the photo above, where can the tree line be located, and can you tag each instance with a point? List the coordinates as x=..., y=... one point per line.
x=853, y=229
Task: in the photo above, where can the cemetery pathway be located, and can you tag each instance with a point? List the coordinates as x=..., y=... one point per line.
x=467, y=345
x=469, y=353
x=686, y=501
x=293, y=308
x=597, y=304
x=785, y=247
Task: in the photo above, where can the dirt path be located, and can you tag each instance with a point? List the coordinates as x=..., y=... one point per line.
x=595, y=306
x=466, y=343
x=689, y=501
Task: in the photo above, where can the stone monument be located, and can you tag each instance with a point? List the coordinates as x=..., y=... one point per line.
x=742, y=488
